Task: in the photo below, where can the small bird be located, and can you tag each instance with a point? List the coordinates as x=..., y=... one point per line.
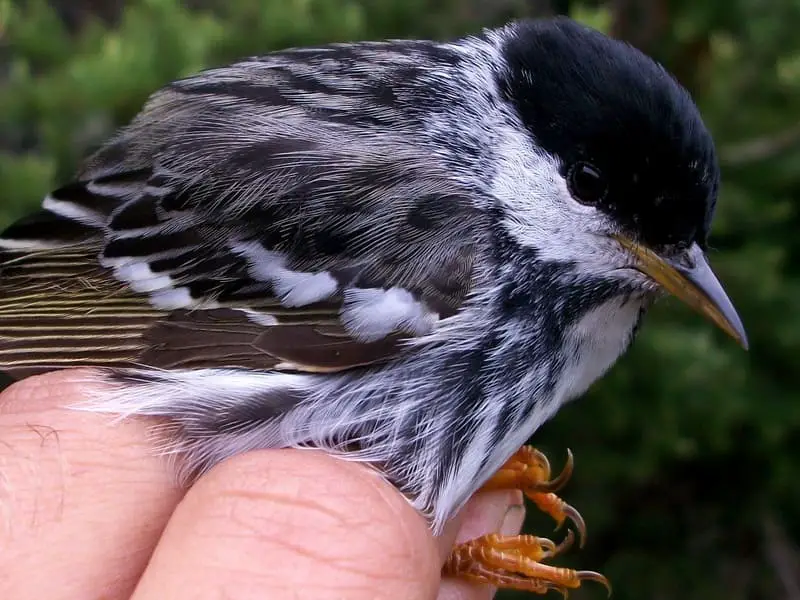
x=408, y=253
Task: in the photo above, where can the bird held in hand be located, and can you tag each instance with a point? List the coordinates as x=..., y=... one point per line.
x=408, y=253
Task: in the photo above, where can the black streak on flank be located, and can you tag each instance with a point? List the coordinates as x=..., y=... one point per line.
x=256, y=411
x=132, y=176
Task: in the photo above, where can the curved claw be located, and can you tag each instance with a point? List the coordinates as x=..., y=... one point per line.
x=565, y=545
x=559, y=481
x=549, y=547
x=544, y=462
x=577, y=520
x=594, y=576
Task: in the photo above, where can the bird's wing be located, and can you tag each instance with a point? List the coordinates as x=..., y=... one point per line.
x=230, y=229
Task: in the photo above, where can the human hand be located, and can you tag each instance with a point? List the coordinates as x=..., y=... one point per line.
x=87, y=510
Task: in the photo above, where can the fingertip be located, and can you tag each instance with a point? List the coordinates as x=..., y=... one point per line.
x=293, y=524
x=81, y=501
x=54, y=389
x=488, y=512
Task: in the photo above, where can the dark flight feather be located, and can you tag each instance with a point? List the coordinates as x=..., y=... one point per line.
x=59, y=309
x=204, y=235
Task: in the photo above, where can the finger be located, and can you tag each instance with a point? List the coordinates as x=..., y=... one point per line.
x=488, y=512
x=286, y=524
x=82, y=502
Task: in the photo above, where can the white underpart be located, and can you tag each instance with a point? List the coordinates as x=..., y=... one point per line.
x=141, y=278
x=194, y=395
x=70, y=210
x=372, y=313
x=481, y=460
x=202, y=395
x=158, y=192
x=455, y=489
x=294, y=288
x=218, y=388
x=594, y=343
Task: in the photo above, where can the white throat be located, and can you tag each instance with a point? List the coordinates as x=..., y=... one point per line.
x=594, y=343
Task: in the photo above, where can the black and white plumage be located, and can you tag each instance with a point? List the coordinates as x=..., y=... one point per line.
x=409, y=253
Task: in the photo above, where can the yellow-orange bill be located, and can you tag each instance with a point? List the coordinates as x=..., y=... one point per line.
x=696, y=285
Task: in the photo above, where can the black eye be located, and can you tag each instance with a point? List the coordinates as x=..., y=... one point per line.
x=586, y=183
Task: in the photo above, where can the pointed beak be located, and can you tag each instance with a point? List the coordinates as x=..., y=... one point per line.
x=692, y=281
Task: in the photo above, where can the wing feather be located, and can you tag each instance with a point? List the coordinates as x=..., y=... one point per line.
x=234, y=223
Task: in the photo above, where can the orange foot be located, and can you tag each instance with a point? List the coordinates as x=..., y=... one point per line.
x=529, y=470
x=515, y=562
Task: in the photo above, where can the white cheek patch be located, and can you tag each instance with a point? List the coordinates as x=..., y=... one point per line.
x=294, y=288
x=542, y=214
x=370, y=314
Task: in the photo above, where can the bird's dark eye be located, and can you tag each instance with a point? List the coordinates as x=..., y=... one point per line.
x=586, y=183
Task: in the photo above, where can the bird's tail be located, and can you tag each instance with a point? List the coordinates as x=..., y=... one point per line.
x=58, y=306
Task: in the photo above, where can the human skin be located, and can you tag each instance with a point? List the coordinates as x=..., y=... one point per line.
x=88, y=510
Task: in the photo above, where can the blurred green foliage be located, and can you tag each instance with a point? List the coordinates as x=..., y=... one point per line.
x=688, y=453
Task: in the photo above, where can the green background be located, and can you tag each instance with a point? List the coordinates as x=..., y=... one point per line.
x=688, y=453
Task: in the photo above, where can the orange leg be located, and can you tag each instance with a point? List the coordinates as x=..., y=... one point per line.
x=515, y=562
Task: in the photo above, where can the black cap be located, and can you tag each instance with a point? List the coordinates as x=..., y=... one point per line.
x=600, y=104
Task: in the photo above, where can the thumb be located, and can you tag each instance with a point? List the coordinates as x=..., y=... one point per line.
x=286, y=524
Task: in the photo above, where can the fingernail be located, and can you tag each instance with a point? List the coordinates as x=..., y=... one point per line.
x=512, y=520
